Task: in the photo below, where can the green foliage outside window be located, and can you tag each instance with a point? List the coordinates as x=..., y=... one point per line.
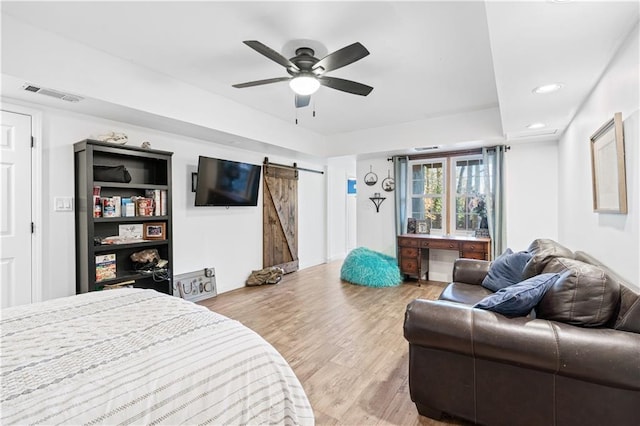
x=428, y=192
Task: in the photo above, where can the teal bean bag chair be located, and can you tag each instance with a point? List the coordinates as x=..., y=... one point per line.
x=370, y=268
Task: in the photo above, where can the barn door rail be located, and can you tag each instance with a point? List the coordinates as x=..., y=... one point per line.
x=294, y=167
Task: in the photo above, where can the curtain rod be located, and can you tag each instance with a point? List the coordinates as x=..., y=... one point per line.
x=294, y=167
x=446, y=153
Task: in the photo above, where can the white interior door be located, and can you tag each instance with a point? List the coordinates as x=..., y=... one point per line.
x=15, y=210
x=351, y=224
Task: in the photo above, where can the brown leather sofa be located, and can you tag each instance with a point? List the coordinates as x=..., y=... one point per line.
x=490, y=369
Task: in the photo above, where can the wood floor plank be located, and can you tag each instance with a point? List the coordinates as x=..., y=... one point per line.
x=345, y=342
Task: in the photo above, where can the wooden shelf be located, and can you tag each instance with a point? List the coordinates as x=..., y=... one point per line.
x=130, y=219
x=104, y=248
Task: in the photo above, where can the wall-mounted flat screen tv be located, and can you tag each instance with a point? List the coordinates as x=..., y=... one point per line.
x=226, y=183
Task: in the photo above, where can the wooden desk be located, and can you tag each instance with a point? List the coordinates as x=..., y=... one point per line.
x=413, y=251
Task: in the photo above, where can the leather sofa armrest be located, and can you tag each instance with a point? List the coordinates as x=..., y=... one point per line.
x=479, y=333
x=470, y=271
x=597, y=355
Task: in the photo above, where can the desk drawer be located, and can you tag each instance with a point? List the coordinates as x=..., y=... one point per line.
x=478, y=247
x=474, y=255
x=407, y=242
x=408, y=252
x=442, y=245
x=409, y=266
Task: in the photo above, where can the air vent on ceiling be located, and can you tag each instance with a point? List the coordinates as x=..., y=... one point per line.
x=532, y=134
x=426, y=148
x=52, y=93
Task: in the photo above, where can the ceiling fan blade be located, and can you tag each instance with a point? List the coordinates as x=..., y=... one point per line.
x=302, y=100
x=342, y=57
x=270, y=53
x=261, y=82
x=345, y=85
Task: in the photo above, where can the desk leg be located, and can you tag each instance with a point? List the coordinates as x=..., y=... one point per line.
x=424, y=264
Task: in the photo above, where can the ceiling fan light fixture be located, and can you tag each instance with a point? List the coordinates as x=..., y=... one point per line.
x=304, y=85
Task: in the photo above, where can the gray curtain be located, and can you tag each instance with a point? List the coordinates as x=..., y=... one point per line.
x=400, y=193
x=493, y=158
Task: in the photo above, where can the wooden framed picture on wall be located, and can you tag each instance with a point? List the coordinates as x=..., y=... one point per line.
x=608, y=168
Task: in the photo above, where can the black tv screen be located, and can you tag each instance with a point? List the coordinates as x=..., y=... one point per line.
x=226, y=183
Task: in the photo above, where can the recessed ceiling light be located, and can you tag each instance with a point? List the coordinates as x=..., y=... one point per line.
x=533, y=126
x=548, y=88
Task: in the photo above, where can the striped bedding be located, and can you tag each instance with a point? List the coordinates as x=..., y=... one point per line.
x=134, y=356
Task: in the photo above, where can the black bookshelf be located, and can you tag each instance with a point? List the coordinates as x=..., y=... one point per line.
x=150, y=170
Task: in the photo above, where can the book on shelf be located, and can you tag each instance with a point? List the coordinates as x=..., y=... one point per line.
x=163, y=203
x=128, y=207
x=109, y=207
x=105, y=267
x=117, y=202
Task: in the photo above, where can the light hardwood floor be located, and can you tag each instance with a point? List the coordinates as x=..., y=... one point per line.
x=344, y=342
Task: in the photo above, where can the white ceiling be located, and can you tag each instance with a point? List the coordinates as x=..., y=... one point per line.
x=428, y=59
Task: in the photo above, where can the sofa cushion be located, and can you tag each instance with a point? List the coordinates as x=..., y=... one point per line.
x=585, y=296
x=469, y=294
x=542, y=251
x=628, y=316
x=518, y=299
x=506, y=270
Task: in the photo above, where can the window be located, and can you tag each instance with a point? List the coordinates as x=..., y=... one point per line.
x=469, y=208
x=428, y=192
x=448, y=192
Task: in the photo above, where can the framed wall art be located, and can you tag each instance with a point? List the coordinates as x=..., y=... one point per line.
x=608, y=168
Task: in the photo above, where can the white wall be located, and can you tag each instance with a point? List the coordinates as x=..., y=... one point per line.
x=228, y=239
x=376, y=230
x=531, y=180
x=614, y=239
x=338, y=209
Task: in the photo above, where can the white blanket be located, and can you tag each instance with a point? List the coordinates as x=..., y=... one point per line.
x=133, y=356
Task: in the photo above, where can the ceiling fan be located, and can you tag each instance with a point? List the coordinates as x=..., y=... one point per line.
x=307, y=72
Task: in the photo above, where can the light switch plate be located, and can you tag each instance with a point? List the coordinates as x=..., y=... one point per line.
x=63, y=204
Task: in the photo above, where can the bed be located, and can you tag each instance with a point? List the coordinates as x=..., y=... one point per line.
x=134, y=356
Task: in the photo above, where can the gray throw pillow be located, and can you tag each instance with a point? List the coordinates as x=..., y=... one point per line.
x=506, y=270
x=519, y=299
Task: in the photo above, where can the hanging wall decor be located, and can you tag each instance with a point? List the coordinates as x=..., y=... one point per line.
x=370, y=178
x=388, y=183
x=377, y=200
x=608, y=168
